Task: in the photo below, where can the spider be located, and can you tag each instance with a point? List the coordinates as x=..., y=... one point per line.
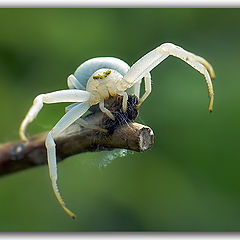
x=95, y=81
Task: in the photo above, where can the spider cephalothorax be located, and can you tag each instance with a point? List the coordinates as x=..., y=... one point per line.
x=98, y=79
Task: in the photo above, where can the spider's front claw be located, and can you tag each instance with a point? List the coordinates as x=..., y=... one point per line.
x=212, y=75
x=210, y=108
x=139, y=104
x=71, y=214
x=23, y=136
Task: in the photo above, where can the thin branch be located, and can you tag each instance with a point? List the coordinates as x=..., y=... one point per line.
x=122, y=133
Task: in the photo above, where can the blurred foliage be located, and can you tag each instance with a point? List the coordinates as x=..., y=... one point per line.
x=189, y=181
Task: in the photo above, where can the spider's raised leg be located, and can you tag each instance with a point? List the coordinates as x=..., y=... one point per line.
x=69, y=118
x=71, y=95
x=148, y=89
x=135, y=89
x=145, y=64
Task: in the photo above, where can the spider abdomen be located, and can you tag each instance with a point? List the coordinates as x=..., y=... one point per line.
x=87, y=69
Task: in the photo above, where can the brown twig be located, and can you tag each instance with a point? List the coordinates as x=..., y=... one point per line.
x=122, y=133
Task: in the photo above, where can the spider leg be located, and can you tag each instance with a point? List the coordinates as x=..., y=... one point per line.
x=106, y=111
x=204, y=71
x=69, y=118
x=124, y=101
x=73, y=83
x=135, y=89
x=148, y=89
x=69, y=107
x=145, y=64
x=70, y=95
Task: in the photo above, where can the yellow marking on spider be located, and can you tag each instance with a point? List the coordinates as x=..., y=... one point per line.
x=107, y=73
x=99, y=76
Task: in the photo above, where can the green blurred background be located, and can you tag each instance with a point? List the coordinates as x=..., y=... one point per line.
x=188, y=181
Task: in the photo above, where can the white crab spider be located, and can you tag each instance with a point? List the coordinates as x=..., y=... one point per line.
x=95, y=81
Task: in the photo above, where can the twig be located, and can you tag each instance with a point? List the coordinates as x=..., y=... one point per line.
x=122, y=133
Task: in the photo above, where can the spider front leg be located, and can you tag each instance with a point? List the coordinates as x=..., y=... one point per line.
x=136, y=92
x=148, y=89
x=135, y=89
x=145, y=64
x=71, y=95
x=70, y=117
